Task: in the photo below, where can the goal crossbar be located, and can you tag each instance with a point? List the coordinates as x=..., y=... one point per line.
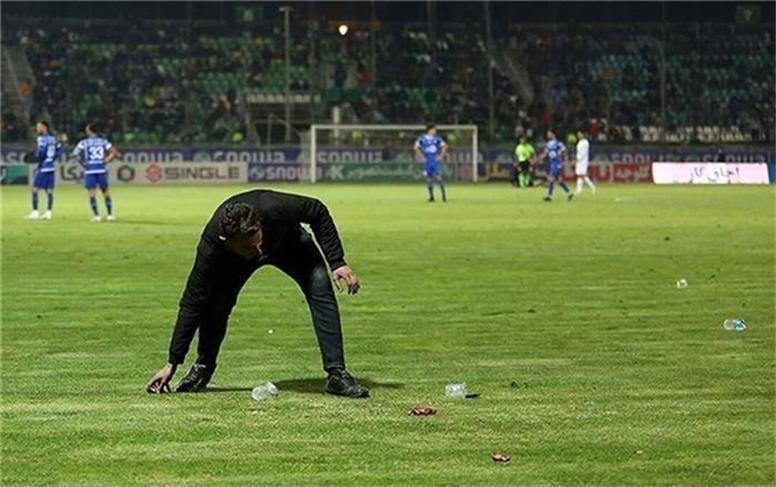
x=420, y=127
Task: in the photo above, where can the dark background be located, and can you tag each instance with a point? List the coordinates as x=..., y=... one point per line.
x=502, y=13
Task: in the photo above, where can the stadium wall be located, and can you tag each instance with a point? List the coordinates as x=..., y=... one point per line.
x=188, y=165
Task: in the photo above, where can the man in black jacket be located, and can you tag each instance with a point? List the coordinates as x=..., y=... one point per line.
x=248, y=231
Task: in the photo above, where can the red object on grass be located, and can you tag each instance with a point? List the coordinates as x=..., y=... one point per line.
x=422, y=411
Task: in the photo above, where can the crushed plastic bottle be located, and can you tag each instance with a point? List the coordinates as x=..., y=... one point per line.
x=457, y=391
x=734, y=324
x=264, y=391
x=681, y=283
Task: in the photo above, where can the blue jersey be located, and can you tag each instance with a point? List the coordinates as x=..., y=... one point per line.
x=93, y=151
x=554, y=150
x=47, y=152
x=430, y=145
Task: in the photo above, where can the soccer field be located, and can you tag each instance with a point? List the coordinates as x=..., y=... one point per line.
x=593, y=368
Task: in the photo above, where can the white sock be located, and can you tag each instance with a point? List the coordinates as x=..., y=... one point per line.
x=579, y=184
x=590, y=183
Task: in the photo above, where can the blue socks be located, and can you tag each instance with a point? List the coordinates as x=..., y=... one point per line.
x=49, y=201
x=562, y=184
x=430, y=186
x=108, y=205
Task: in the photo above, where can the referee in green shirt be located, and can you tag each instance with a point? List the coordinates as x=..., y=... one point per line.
x=526, y=155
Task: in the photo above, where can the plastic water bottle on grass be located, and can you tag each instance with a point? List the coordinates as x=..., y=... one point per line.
x=264, y=391
x=457, y=391
x=734, y=324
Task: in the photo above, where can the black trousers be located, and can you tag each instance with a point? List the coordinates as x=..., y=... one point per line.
x=302, y=261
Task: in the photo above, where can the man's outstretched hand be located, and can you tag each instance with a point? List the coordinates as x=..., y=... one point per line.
x=160, y=382
x=346, y=274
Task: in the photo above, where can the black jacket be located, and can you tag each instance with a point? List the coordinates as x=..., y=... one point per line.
x=218, y=275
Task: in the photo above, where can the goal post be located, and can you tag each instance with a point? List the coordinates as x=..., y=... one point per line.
x=385, y=152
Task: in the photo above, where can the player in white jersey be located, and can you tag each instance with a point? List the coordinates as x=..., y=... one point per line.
x=583, y=160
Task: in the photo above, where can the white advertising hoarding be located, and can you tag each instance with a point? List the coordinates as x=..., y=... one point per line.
x=709, y=173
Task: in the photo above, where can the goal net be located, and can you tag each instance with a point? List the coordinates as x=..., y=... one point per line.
x=385, y=152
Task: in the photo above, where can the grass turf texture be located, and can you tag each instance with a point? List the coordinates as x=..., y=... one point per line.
x=593, y=367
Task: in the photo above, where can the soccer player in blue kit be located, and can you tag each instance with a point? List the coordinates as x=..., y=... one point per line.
x=95, y=151
x=47, y=151
x=432, y=149
x=554, y=150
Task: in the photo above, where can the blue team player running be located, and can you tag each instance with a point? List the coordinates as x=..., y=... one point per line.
x=432, y=149
x=554, y=150
x=47, y=151
x=95, y=151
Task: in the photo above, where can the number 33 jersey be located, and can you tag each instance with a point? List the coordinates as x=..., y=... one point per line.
x=93, y=151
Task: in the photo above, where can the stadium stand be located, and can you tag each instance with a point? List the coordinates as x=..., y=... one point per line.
x=151, y=90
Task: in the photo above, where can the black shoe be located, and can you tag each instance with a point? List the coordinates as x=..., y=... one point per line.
x=570, y=196
x=341, y=383
x=547, y=198
x=197, y=378
x=431, y=200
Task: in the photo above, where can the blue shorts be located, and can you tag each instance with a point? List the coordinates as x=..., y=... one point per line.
x=555, y=170
x=431, y=169
x=44, y=180
x=92, y=181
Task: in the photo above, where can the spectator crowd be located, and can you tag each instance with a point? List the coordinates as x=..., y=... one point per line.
x=170, y=83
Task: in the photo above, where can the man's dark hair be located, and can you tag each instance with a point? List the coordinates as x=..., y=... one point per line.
x=94, y=127
x=430, y=126
x=238, y=219
x=45, y=124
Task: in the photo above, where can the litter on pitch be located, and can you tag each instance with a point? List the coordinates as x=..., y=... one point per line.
x=734, y=324
x=265, y=391
x=500, y=457
x=422, y=411
x=682, y=283
x=457, y=391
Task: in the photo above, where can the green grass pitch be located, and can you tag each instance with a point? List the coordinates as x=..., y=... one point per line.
x=594, y=368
